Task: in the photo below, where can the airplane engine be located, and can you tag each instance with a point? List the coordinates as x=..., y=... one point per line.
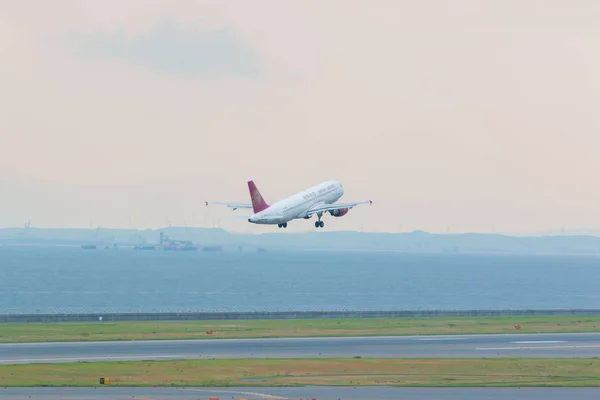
x=340, y=212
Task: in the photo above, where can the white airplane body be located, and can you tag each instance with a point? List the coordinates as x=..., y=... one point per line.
x=317, y=200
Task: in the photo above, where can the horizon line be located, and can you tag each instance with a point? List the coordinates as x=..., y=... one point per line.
x=571, y=232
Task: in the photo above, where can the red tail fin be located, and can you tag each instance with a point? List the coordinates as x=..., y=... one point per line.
x=258, y=203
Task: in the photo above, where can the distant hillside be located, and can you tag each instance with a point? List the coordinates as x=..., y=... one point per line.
x=319, y=240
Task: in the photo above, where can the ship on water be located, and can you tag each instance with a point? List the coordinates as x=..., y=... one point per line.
x=144, y=247
x=212, y=248
x=176, y=245
x=166, y=244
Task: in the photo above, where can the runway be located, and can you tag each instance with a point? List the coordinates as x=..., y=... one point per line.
x=466, y=346
x=320, y=393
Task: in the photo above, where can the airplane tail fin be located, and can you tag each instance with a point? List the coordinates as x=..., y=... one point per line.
x=258, y=203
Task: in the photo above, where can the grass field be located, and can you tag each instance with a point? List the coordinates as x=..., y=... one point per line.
x=274, y=372
x=43, y=332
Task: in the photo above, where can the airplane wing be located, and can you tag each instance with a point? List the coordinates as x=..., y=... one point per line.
x=336, y=206
x=234, y=206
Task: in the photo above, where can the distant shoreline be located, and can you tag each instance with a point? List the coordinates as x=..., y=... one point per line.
x=415, y=242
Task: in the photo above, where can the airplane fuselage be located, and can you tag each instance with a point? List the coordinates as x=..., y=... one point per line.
x=298, y=205
x=317, y=200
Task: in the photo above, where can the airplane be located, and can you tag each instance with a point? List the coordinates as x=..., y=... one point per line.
x=317, y=200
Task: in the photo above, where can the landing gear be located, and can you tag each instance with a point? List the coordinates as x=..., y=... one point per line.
x=319, y=223
x=284, y=225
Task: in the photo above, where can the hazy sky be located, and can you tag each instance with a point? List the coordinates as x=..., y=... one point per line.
x=467, y=114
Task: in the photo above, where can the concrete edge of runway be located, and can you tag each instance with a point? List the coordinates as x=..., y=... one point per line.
x=571, y=345
x=292, y=338
x=309, y=392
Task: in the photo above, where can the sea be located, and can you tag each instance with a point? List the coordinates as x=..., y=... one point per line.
x=71, y=279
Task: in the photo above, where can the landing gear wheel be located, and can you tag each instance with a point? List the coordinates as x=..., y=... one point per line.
x=279, y=225
x=319, y=223
x=285, y=225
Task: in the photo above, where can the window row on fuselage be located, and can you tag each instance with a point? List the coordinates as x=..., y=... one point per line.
x=305, y=202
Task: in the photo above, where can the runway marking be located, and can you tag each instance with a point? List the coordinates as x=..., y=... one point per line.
x=261, y=395
x=439, y=339
x=540, y=347
x=541, y=341
x=264, y=396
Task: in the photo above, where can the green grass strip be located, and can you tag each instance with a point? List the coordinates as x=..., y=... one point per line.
x=156, y=330
x=298, y=372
